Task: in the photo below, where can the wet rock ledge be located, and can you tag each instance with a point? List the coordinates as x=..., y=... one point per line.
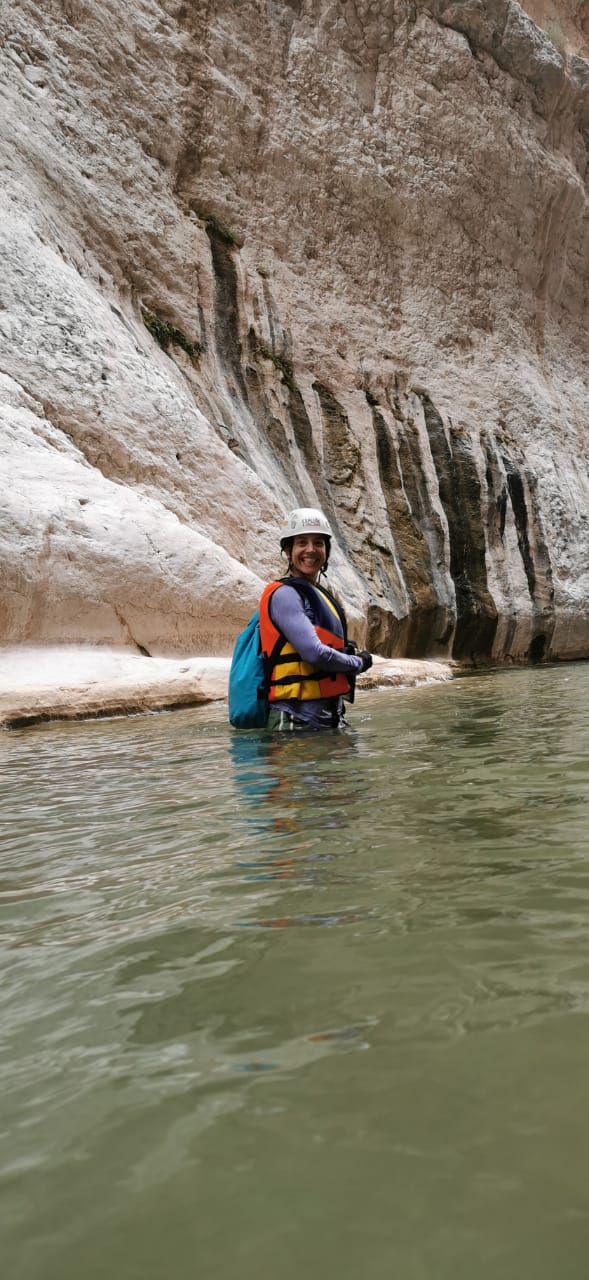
x=79, y=682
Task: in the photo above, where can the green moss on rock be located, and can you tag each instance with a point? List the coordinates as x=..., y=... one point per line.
x=284, y=366
x=167, y=335
x=220, y=231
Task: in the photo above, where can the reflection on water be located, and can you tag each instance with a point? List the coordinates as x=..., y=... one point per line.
x=284, y=1005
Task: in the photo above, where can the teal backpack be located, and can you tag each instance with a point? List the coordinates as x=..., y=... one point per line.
x=248, y=688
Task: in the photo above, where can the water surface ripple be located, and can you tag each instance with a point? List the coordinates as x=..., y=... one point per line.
x=277, y=1006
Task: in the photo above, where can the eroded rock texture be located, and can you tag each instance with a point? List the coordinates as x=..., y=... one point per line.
x=271, y=253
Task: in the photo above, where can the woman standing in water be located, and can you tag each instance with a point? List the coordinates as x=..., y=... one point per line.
x=311, y=664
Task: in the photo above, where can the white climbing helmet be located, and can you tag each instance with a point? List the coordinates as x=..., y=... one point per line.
x=305, y=520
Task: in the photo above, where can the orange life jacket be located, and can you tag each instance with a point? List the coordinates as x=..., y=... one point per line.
x=288, y=676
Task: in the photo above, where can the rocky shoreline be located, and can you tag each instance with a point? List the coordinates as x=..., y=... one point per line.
x=84, y=682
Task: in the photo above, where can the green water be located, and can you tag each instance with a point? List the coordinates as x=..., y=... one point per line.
x=300, y=1007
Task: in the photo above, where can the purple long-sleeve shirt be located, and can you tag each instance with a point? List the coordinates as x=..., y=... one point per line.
x=289, y=615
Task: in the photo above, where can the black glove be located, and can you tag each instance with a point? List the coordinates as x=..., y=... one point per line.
x=366, y=659
x=350, y=647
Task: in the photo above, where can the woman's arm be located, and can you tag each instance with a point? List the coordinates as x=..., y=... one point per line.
x=288, y=614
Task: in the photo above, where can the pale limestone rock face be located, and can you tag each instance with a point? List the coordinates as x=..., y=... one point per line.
x=98, y=558
x=361, y=236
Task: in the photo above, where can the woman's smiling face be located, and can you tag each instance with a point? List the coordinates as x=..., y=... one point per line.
x=308, y=555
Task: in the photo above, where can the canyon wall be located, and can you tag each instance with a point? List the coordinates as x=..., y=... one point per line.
x=269, y=254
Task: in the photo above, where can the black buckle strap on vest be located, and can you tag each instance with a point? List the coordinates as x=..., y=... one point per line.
x=270, y=662
x=296, y=679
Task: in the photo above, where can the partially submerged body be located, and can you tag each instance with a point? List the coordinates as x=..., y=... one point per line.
x=311, y=666
x=297, y=616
